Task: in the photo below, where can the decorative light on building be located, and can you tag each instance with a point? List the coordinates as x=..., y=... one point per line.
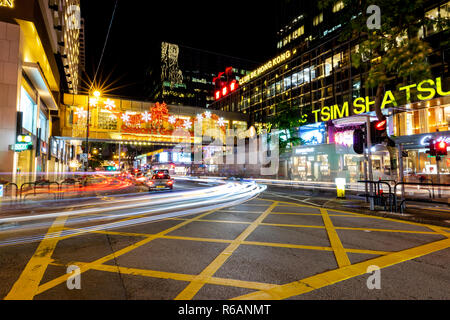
x=146, y=117
x=80, y=113
x=172, y=120
x=208, y=115
x=187, y=124
x=199, y=117
x=221, y=122
x=110, y=105
x=93, y=102
x=125, y=117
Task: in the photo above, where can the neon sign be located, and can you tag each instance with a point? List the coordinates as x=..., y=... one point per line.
x=7, y=3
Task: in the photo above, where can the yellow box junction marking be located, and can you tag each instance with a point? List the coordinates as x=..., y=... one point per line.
x=339, y=251
x=53, y=283
x=191, y=290
x=26, y=287
x=331, y=277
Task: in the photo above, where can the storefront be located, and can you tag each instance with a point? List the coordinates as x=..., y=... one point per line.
x=420, y=166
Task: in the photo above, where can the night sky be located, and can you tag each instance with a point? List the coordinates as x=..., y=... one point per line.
x=244, y=29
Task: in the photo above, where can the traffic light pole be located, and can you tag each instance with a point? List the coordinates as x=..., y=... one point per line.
x=369, y=152
x=438, y=160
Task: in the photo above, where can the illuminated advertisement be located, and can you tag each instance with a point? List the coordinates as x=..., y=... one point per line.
x=313, y=134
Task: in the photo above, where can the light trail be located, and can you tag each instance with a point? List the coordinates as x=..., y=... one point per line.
x=153, y=207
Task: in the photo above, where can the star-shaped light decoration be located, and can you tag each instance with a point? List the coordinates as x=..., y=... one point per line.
x=172, y=120
x=125, y=117
x=112, y=116
x=110, y=105
x=199, y=117
x=146, y=117
x=221, y=122
x=208, y=115
x=187, y=124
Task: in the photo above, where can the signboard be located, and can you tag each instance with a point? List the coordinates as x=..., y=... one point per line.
x=19, y=147
x=83, y=157
x=1, y=191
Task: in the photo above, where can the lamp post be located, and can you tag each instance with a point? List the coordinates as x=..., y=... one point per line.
x=97, y=94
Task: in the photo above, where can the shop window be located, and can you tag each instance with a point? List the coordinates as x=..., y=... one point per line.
x=29, y=109
x=43, y=124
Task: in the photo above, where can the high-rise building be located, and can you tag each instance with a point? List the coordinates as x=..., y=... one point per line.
x=184, y=75
x=313, y=77
x=39, y=58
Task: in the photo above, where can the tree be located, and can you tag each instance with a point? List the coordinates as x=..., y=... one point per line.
x=395, y=51
x=286, y=121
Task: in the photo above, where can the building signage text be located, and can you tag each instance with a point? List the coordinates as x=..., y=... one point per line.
x=426, y=90
x=7, y=3
x=269, y=65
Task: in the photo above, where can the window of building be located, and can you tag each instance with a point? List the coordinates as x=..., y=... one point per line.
x=318, y=19
x=338, y=6
x=287, y=83
x=106, y=121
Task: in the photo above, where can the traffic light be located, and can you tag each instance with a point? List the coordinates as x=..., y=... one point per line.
x=359, y=141
x=431, y=149
x=379, y=133
x=441, y=148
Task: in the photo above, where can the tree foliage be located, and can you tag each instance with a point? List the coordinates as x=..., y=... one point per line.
x=286, y=123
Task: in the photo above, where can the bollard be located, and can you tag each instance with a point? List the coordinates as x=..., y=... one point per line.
x=340, y=187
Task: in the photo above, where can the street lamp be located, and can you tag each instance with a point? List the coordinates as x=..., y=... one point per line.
x=96, y=94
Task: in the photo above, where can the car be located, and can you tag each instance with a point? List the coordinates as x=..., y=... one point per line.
x=160, y=181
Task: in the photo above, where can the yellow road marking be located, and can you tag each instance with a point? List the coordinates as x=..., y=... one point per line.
x=26, y=287
x=191, y=290
x=339, y=251
x=252, y=243
x=331, y=277
x=175, y=276
x=50, y=284
x=440, y=231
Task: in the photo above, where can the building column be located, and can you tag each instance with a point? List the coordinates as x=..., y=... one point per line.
x=10, y=75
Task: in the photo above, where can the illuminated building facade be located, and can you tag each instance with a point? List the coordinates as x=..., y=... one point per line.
x=185, y=75
x=312, y=76
x=32, y=75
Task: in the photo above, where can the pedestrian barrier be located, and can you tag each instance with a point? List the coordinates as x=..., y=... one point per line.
x=402, y=205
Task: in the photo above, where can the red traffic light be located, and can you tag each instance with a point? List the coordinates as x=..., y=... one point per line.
x=441, y=148
x=381, y=125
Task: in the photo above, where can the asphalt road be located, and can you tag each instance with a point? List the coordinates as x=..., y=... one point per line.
x=271, y=247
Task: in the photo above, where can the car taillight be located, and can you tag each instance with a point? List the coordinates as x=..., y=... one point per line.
x=170, y=182
x=150, y=182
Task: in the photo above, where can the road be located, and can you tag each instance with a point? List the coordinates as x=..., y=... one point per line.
x=269, y=247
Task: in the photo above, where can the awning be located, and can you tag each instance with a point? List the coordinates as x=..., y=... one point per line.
x=35, y=74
